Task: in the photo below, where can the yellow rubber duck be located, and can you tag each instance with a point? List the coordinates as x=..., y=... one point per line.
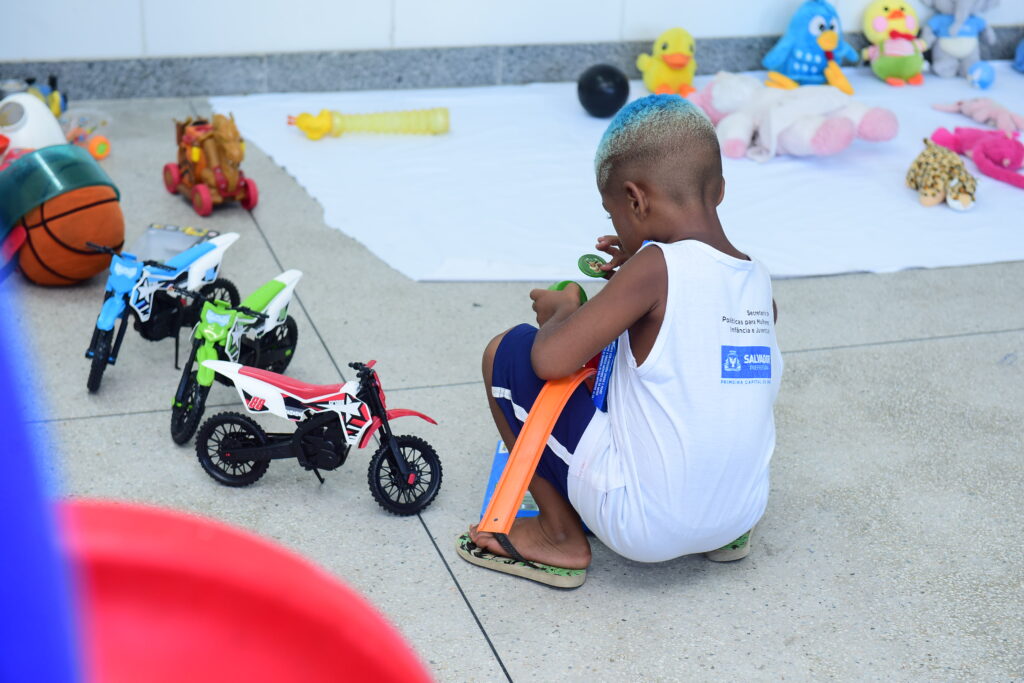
x=315, y=127
x=670, y=67
x=334, y=123
x=895, y=52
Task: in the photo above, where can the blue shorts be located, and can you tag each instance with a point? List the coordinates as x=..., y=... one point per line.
x=515, y=387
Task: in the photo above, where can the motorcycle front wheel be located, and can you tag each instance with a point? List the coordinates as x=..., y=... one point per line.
x=220, y=289
x=185, y=416
x=404, y=497
x=100, y=354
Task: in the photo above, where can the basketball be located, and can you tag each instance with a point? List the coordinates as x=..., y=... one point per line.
x=55, y=252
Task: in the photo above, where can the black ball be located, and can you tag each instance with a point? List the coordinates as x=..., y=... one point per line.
x=602, y=90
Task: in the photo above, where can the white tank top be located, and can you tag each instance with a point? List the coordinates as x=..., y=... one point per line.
x=679, y=463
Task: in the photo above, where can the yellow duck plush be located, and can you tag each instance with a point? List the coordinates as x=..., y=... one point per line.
x=670, y=67
x=895, y=52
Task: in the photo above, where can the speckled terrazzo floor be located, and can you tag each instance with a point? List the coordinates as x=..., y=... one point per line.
x=887, y=552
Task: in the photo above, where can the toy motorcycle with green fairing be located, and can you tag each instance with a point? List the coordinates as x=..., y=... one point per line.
x=258, y=332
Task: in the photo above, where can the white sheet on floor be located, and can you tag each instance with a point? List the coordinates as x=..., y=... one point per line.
x=509, y=193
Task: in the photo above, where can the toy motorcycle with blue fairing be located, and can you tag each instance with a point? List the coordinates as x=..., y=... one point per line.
x=140, y=289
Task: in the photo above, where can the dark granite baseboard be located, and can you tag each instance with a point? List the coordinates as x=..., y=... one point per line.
x=382, y=69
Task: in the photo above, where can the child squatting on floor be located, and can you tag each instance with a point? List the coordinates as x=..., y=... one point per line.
x=679, y=462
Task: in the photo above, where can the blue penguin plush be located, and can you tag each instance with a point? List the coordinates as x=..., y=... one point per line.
x=810, y=51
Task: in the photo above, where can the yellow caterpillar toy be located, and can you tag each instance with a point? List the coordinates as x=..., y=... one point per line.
x=334, y=123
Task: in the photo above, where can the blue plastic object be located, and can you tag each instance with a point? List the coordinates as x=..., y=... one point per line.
x=981, y=75
x=1018, y=60
x=37, y=634
x=528, y=507
x=185, y=258
x=41, y=175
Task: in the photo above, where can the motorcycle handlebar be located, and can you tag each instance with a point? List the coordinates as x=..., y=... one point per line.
x=362, y=369
x=100, y=248
x=249, y=311
x=196, y=295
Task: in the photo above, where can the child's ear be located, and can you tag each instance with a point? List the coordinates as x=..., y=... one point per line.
x=638, y=201
x=721, y=192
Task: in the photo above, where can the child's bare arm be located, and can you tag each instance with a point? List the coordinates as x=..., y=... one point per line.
x=571, y=334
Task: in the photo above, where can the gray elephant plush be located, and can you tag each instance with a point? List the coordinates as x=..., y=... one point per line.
x=953, y=34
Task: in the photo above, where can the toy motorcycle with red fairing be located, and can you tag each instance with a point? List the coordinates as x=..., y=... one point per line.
x=404, y=474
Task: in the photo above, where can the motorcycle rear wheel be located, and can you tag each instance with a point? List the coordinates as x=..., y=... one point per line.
x=185, y=417
x=219, y=435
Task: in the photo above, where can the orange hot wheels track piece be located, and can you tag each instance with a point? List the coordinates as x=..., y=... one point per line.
x=522, y=461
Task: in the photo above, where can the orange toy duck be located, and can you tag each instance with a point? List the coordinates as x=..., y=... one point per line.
x=670, y=67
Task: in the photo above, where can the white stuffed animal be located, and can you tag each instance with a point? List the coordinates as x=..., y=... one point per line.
x=759, y=122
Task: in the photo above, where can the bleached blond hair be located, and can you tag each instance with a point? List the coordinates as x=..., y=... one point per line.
x=657, y=128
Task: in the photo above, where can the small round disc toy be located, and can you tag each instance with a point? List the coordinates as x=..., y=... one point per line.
x=590, y=265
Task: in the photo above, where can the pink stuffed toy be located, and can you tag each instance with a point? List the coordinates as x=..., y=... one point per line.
x=989, y=112
x=758, y=122
x=996, y=154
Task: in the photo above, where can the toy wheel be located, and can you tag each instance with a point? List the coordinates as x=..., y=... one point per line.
x=99, y=148
x=172, y=177
x=220, y=289
x=402, y=497
x=100, y=354
x=218, y=436
x=202, y=202
x=186, y=416
x=281, y=339
x=252, y=194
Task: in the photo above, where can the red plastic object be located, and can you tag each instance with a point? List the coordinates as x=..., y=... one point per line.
x=392, y=415
x=252, y=194
x=202, y=201
x=172, y=177
x=304, y=391
x=12, y=243
x=169, y=597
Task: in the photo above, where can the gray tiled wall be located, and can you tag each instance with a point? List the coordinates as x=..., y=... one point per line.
x=380, y=69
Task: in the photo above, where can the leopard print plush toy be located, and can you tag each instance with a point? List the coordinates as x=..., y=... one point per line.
x=940, y=174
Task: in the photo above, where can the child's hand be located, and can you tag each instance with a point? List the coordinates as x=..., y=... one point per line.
x=611, y=245
x=548, y=302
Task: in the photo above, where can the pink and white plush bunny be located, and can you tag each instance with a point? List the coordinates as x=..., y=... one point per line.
x=989, y=112
x=758, y=122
